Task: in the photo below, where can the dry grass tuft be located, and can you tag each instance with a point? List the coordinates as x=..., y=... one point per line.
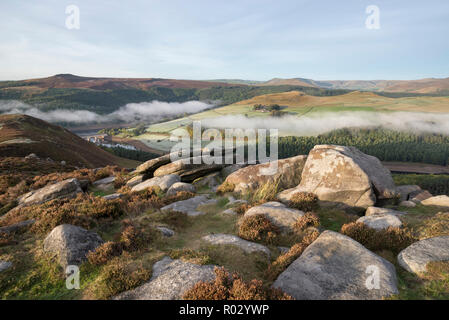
x=304, y=201
x=258, y=228
x=307, y=220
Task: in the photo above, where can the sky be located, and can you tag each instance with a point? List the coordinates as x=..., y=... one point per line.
x=232, y=39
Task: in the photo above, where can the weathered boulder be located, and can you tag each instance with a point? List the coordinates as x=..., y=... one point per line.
x=180, y=186
x=381, y=221
x=406, y=190
x=65, y=189
x=170, y=280
x=71, y=244
x=335, y=267
x=163, y=182
x=371, y=211
x=107, y=180
x=228, y=239
x=5, y=265
x=166, y=232
x=135, y=180
x=150, y=166
x=189, y=206
x=420, y=195
x=344, y=176
x=211, y=181
x=277, y=213
x=188, y=169
x=17, y=227
x=226, y=171
x=250, y=178
x=439, y=201
x=415, y=257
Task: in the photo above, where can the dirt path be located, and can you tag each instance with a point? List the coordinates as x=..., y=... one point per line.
x=422, y=168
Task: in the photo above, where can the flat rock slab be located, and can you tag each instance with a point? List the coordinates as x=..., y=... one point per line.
x=372, y=211
x=440, y=201
x=150, y=166
x=17, y=226
x=135, y=181
x=71, y=244
x=107, y=180
x=415, y=257
x=180, y=186
x=381, y=221
x=189, y=206
x=5, y=265
x=335, y=267
x=113, y=196
x=65, y=189
x=277, y=213
x=228, y=239
x=170, y=280
x=163, y=182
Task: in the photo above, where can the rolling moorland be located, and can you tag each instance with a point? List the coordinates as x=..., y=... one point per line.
x=158, y=231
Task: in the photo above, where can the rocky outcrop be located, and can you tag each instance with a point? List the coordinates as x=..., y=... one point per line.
x=415, y=257
x=150, y=166
x=180, y=186
x=228, y=239
x=135, y=180
x=226, y=171
x=71, y=244
x=104, y=181
x=277, y=213
x=250, y=178
x=190, y=206
x=344, y=176
x=65, y=189
x=371, y=211
x=335, y=267
x=170, y=280
x=188, y=169
x=381, y=221
x=212, y=181
x=438, y=201
x=163, y=182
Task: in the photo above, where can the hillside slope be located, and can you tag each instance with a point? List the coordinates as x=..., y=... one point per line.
x=21, y=135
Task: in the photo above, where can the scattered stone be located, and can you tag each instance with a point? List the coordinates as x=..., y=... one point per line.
x=107, y=180
x=415, y=257
x=65, y=189
x=228, y=239
x=406, y=190
x=277, y=213
x=286, y=172
x=164, y=183
x=372, y=211
x=63, y=163
x=230, y=212
x=407, y=204
x=135, y=181
x=17, y=226
x=32, y=156
x=419, y=196
x=440, y=201
x=188, y=169
x=166, y=232
x=381, y=221
x=113, y=196
x=170, y=280
x=335, y=267
x=71, y=244
x=180, y=186
x=5, y=265
x=344, y=176
x=190, y=206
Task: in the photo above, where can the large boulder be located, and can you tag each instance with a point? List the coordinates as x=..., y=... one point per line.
x=277, y=213
x=65, y=189
x=188, y=169
x=228, y=239
x=170, y=280
x=71, y=244
x=164, y=182
x=344, y=176
x=180, y=186
x=439, y=201
x=250, y=178
x=335, y=267
x=415, y=257
x=381, y=221
x=190, y=206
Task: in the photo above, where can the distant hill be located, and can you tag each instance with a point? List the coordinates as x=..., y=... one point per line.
x=21, y=135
